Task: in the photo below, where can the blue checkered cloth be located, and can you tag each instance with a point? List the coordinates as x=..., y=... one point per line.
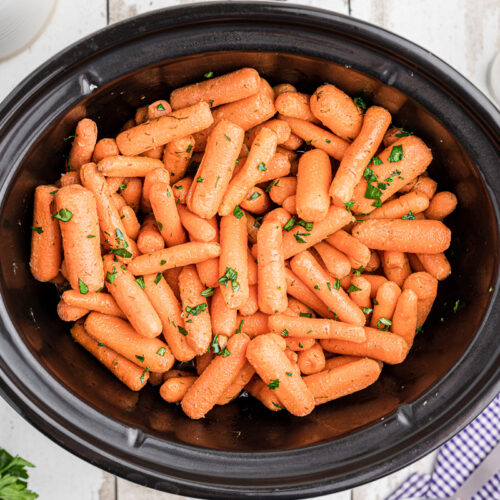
x=457, y=460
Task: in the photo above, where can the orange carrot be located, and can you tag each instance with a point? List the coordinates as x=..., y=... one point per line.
x=399, y=164
x=337, y=111
x=384, y=346
x=70, y=178
x=196, y=226
x=233, y=261
x=279, y=166
x=282, y=188
x=383, y=310
x=252, y=304
x=315, y=328
x=318, y=137
x=203, y=361
x=70, y=313
x=77, y=213
x=266, y=396
x=175, y=388
x=441, y=205
x=278, y=215
x=197, y=324
x=281, y=88
x=272, y=365
x=359, y=153
x=290, y=204
x=208, y=270
x=45, y=258
x=295, y=105
x=280, y=128
x=357, y=253
x=313, y=180
x=415, y=263
x=426, y=186
x=151, y=354
x=342, y=380
x=181, y=190
x=130, y=222
x=253, y=325
x=128, y=373
x=238, y=384
x=83, y=144
x=311, y=360
x=436, y=265
x=127, y=166
x=166, y=214
x=373, y=263
x=153, y=177
x=178, y=256
x=376, y=282
x=300, y=238
x=412, y=203
x=132, y=192
x=337, y=264
x=272, y=287
x=306, y=267
x=414, y=236
x=256, y=201
x=252, y=228
x=396, y=266
x=220, y=90
x=296, y=288
x=404, y=321
x=177, y=156
x=223, y=318
x=131, y=299
x=293, y=142
x=150, y=240
x=100, y=302
x=105, y=147
x=213, y=383
x=164, y=129
x=252, y=269
x=360, y=293
x=168, y=309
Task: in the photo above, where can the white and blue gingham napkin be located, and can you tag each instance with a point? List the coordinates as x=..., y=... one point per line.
x=457, y=460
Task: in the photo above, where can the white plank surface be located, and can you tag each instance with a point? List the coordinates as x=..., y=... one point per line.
x=465, y=34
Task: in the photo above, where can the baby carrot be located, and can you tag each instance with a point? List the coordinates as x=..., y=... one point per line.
x=317, y=137
x=279, y=166
x=373, y=263
x=384, y=346
x=216, y=168
x=70, y=313
x=441, y=205
x=223, y=318
x=175, y=388
x=256, y=201
x=337, y=264
x=272, y=287
x=213, y=383
x=282, y=188
x=296, y=288
x=293, y=142
x=178, y=256
x=105, y=147
x=252, y=304
x=233, y=261
x=436, y=265
x=238, y=384
x=195, y=225
x=414, y=236
x=158, y=108
x=100, y=302
x=396, y=165
x=311, y=360
x=266, y=396
x=391, y=136
x=181, y=190
x=359, y=153
x=70, y=178
x=45, y=259
x=220, y=90
x=295, y=105
x=127, y=166
x=337, y=111
x=278, y=215
x=152, y=177
x=197, y=324
x=177, y=156
x=151, y=354
x=281, y=88
x=83, y=144
x=261, y=152
x=300, y=238
x=130, y=222
x=316, y=328
x=357, y=253
x=132, y=192
x=360, y=293
x=290, y=204
x=149, y=239
x=298, y=344
x=280, y=128
x=253, y=325
x=426, y=186
x=307, y=268
x=273, y=367
x=313, y=181
x=203, y=361
x=169, y=311
x=119, y=203
x=404, y=321
x=383, y=310
x=131, y=299
x=376, y=281
x=79, y=224
x=208, y=270
x=337, y=361
x=415, y=264
x=164, y=129
x=131, y=375
x=342, y=380
x=109, y=218
x=412, y=203
x=166, y=214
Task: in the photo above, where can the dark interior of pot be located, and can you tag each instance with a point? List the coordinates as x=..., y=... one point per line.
x=245, y=425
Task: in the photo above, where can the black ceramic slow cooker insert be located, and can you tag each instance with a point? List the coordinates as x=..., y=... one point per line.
x=242, y=449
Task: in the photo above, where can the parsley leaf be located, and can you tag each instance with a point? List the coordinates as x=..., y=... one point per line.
x=353, y=288
x=64, y=215
x=290, y=224
x=140, y=282
x=208, y=74
x=262, y=167
x=254, y=195
x=237, y=212
x=360, y=103
x=299, y=237
x=121, y=252
x=196, y=310
x=38, y=230
x=274, y=383
x=13, y=476
x=409, y=216
x=349, y=205
x=384, y=324
x=84, y=289
x=158, y=278
x=396, y=154
x=183, y=331
x=208, y=292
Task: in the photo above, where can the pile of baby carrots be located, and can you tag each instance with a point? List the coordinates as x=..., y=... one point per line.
x=287, y=256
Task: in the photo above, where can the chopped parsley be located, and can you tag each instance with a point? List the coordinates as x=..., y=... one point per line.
x=208, y=292
x=285, y=333
x=299, y=237
x=64, y=215
x=237, y=212
x=121, y=252
x=360, y=103
x=290, y=224
x=367, y=310
x=337, y=284
x=384, y=324
x=353, y=288
x=409, y=216
x=200, y=179
x=349, y=205
x=274, y=383
x=262, y=167
x=160, y=107
x=254, y=195
x=38, y=230
x=161, y=351
x=84, y=289
x=403, y=133
x=140, y=282
x=110, y=277
x=158, y=278
x=196, y=310
x=305, y=315
x=396, y=154
x=208, y=74
x=183, y=331
x=140, y=358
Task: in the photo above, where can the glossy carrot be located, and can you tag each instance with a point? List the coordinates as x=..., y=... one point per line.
x=412, y=203
x=149, y=239
x=290, y=204
x=384, y=305
x=376, y=281
x=238, y=384
x=425, y=185
x=130, y=222
x=253, y=325
x=104, y=147
x=311, y=360
x=252, y=304
x=77, y=210
x=223, y=318
x=436, y=265
x=414, y=236
x=212, y=384
x=294, y=105
x=152, y=177
x=200, y=228
x=281, y=88
x=158, y=108
x=208, y=270
x=282, y=188
x=83, y=144
x=127, y=166
x=100, y=302
x=67, y=312
x=280, y=128
x=404, y=321
x=175, y=388
x=266, y=396
x=132, y=192
x=70, y=178
x=360, y=293
x=256, y=201
x=337, y=264
x=181, y=190
x=296, y=288
x=45, y=259
x=357, y=253
x=441, y=205
x=359, y=153
x=425, y=286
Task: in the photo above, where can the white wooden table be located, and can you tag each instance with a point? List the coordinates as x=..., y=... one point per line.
x=463, y=33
